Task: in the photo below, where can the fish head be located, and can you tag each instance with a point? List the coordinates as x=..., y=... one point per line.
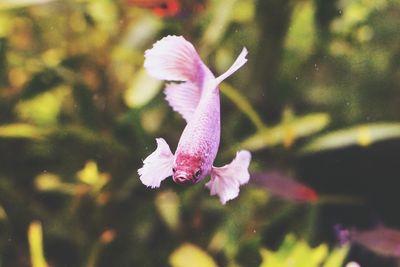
x=188, y=169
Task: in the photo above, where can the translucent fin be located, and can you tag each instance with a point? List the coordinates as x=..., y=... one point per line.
x=239, y=62
x=157, y=166
x=173, y=59
x=225, y=181
x=183, y=98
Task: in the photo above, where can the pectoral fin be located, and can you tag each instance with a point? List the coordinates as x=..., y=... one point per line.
x=157, y=166
x=183, y=98
x=225, y=181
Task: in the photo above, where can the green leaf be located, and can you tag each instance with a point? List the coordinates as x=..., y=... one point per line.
x=104, y=12
x=41, y=82
x=286, y=132
x=362, y=135
x=301, y=35
x=5, y=25
x=242, y=103
x=298, y=253
x=243, y=11
x=20, y=130
x=192, y=255
x=44, y=108
x=237, y=220
x=221, y=15
x=355, y=13
x=11, y=4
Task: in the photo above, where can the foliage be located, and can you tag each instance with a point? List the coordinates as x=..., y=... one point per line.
x=78, y=114
x=298, y=252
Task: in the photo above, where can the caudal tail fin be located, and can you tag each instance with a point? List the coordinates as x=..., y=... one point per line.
x=174, y=59
x=239, y=62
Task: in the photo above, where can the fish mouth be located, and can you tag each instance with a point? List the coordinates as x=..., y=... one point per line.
x=183, y=178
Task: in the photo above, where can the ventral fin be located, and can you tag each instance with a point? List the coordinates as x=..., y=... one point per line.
x=225, y=181
x=157, y=166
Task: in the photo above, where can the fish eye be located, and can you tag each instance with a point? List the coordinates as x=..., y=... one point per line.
x=197, y=174
x=173, y=170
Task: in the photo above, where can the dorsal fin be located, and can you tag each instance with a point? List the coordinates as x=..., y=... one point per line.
x=174, y=59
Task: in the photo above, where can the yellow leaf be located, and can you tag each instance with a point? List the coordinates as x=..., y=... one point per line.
x=10, y=4
x=20, y=130
x=167, y=204
x=190, y=255
x=286, y=132
x=362, y=135
x=44, y=108
x=243, y=11
x=269, y=259
x=3, y=214
x=152, y=119
x=298, y=253
x=218, y=242
x=47, y=181
x=89, y=174
x=142, y=89
x=319, y=254
x=5, y=24
x=337, y=256
x=104, y=12
x=35, y=238
x=52, y=182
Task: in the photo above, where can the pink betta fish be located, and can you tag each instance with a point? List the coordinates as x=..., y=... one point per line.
x=381, y=240
x=196, y=97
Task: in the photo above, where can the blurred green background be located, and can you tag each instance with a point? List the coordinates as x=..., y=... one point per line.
x=318, y=103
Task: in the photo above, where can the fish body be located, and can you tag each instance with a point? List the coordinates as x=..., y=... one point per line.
x=197, y=99
x=170, y=8
x=285, y=187
x=199, y=142
x=162, y=8
x=381, y=240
